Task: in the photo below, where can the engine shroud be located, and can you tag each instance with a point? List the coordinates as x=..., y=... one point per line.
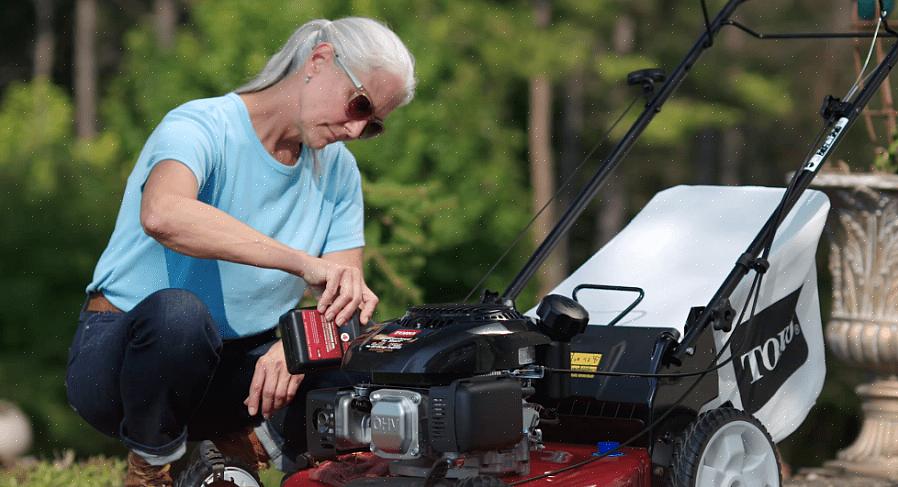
x=436, y=344
x=478, y=414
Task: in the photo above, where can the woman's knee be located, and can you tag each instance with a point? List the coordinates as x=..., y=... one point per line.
x=175, y=317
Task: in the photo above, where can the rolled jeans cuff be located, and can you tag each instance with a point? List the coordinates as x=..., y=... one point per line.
x=159, y=455
x=273, y=442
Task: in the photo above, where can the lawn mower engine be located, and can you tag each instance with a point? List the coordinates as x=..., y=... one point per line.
x=449, y=388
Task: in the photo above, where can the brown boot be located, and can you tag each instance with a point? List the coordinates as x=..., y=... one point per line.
x=244, y=446
x=142, y=474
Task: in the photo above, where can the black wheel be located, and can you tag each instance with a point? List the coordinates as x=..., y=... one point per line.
x=209, y=468
x=725, y=447
x=480, y=481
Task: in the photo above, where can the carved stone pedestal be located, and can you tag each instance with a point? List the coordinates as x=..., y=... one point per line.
x=863, y=329
x=875, y=451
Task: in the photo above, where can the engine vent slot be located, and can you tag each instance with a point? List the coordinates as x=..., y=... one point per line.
x=438, y=417
x=441, y=426
x=441, y=315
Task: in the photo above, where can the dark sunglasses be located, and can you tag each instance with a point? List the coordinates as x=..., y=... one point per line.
x=360, y=107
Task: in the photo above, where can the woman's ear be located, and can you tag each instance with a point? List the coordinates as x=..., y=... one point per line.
x=321, y=55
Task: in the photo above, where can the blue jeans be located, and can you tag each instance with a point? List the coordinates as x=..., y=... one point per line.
x=160, y=374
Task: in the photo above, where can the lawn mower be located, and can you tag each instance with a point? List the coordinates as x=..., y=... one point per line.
x=676, y=355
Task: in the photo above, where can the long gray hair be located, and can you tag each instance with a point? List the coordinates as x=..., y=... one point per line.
x=363, y=44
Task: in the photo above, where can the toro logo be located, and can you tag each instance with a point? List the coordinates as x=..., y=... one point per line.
x=771, y=347
x=405, y=333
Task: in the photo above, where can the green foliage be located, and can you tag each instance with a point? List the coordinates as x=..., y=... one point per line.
x=886, y=159
x=58, y=198
x=680, y=119
x=37, y=121
x=614, y=67
x=763, y=94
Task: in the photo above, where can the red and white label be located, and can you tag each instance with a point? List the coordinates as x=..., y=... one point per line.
x=405, y=333
x=321, y=337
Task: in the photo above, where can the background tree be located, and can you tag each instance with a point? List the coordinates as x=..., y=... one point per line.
x=165, y=20
x=542, y=165
x=44, y=39
x=86, y=68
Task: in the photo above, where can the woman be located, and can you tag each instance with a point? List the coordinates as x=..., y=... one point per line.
x=235, y=205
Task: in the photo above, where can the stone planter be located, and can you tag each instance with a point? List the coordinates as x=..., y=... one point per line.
x=863, y=327
x=15, y=433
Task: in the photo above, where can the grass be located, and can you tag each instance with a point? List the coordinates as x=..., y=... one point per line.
x=94, y=472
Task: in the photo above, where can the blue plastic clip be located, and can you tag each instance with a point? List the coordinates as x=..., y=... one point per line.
x=608, y=446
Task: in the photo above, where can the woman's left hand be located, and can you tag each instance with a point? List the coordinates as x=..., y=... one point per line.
x=272, y=384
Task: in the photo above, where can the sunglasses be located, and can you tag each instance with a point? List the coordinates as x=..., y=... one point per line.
x=360, y=107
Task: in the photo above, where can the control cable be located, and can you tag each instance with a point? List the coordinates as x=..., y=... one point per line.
x=564, y=186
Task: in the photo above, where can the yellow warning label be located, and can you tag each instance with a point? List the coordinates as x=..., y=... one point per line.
x=585, y=361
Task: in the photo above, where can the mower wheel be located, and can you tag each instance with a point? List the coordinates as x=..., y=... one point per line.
x=480, y=481
x=209, y=468
x=725, y=447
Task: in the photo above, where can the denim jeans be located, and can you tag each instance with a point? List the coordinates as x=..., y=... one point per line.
x=160, y=374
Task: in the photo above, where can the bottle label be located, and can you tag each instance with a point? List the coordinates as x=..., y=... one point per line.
x=322, y=341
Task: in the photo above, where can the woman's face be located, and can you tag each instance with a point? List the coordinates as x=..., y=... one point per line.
x=323, y=118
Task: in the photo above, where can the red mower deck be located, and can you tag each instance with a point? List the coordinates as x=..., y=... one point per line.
x=632, y=469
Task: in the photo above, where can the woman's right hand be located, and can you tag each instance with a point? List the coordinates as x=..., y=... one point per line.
x=344, y=290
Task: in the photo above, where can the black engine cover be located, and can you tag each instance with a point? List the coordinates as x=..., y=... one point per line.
x=476, y=414
x=436, y=344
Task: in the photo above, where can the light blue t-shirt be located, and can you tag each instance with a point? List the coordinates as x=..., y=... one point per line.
x=317, y=211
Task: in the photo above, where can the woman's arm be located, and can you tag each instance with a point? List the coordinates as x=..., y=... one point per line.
x=171, y=214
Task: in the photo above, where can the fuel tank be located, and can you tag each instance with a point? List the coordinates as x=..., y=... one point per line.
x=436, y=344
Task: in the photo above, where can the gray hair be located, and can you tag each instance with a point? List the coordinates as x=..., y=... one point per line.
x=363, y=44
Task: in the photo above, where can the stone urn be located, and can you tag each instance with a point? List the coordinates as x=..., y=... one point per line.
x=15, y=433
x=863, y=327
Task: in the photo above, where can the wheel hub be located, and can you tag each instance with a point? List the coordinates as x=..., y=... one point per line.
x=738, y=455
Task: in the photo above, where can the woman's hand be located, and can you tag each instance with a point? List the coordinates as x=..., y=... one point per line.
x=272, y=384
x=340, y=290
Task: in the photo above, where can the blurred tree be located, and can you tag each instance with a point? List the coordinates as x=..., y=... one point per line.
x=45, y=39
x=86, y=68
x=542, y=165
x=165, y=22
x=613, y=205
x=570, y=149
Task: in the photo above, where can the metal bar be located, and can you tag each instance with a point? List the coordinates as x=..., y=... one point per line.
x=620, y=151
x=805, y=35
x=604, y=287
x=799, y=183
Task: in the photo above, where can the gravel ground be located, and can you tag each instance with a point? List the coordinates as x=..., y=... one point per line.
x=826, y=477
